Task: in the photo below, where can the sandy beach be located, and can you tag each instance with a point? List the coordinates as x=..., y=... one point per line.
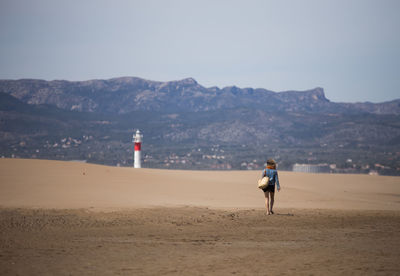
x=69, y=218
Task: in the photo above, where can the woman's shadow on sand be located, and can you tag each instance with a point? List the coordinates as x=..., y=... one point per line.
x=285, y=214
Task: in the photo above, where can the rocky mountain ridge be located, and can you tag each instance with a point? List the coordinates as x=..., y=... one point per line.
x=127, y=94
x=188, y=126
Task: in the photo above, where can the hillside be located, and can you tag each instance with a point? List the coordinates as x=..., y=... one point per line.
x=189, y=126
x=127, y=94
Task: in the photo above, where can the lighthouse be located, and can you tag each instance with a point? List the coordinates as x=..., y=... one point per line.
x=137, y=139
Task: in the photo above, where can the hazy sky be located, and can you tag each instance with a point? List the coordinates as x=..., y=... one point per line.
x=351, y=48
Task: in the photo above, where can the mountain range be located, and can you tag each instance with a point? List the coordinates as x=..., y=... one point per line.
x=176, y=117
x=127, y=94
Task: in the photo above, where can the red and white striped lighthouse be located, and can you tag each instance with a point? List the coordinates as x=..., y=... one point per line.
x=137, y=139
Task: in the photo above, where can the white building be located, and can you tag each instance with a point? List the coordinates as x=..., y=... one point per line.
x=307, y=168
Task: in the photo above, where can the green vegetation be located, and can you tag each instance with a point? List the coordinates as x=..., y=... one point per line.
x=221, y=139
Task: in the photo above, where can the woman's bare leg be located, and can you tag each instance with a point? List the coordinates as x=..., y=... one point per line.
x=272, y=201
x=266, y=194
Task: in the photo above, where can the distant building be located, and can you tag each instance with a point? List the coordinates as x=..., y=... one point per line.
x=307, y=168
x=373, y=172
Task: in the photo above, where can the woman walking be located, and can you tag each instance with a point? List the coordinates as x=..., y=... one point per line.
x=269, y=192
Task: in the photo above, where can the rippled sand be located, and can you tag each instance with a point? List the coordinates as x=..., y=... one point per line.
x=65, y=218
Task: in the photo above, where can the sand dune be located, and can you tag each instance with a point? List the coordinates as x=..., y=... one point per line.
x=89, y=220
x=58, y=184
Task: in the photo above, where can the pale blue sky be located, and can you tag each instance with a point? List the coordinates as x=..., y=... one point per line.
x=351, y=48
